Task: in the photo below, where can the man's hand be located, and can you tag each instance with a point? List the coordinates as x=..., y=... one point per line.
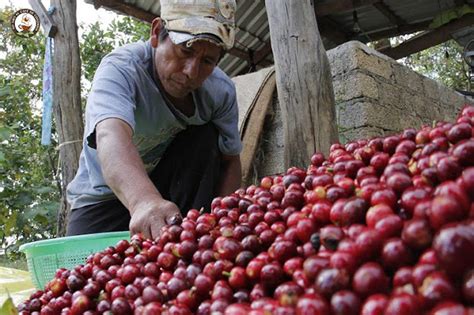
x=148, y=218
x=126, y=176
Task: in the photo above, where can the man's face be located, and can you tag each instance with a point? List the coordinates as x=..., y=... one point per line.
x=182, y=69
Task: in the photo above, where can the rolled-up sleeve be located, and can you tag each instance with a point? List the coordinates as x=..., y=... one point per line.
x=112, y=96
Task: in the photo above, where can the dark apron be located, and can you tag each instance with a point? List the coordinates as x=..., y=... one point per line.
x=187, y=175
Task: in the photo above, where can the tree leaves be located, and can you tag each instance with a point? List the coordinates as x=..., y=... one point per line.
x=5, y=133
x=434, y=63
x=29, y=176
x=5, y=90
x=98, y=41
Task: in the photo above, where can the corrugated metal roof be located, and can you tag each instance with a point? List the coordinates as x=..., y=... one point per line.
x=253, y=33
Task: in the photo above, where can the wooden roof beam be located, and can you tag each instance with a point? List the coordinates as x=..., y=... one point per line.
x=261, y=54
x=400, y=30
x=389, y=14
x=430, y=38
x=239, y=53
x=125, y=8
x=337, y=6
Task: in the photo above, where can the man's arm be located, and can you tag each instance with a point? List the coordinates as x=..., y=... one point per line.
x=231, y=175
x=125, y=174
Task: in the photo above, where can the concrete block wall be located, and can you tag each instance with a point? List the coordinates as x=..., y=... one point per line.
x=375, y=96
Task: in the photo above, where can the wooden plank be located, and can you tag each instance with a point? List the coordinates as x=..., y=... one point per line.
x=304, y=80
x=429, y=39
x=46, y=21
x=389, y=14
x=338, y=6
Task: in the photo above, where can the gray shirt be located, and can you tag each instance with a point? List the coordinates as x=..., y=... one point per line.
x=125, y=87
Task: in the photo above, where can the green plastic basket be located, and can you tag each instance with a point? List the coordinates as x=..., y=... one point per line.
x=45, y=257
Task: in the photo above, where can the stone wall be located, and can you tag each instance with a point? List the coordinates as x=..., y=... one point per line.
x=375, y=96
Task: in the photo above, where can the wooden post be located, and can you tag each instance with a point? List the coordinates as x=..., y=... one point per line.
x=304, y=80
x=67, y=98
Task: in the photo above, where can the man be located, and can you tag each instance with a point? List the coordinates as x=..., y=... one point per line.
x=161, y=132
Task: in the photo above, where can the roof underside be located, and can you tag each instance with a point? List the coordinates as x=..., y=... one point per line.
x=378, y=19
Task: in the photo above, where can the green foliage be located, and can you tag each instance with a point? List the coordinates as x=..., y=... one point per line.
x=29, y=179
x=28, y=187
x=98, y=41
x=443, y=63
x=129, y=30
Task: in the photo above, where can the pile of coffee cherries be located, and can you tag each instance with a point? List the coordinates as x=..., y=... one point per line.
x=380, y=226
